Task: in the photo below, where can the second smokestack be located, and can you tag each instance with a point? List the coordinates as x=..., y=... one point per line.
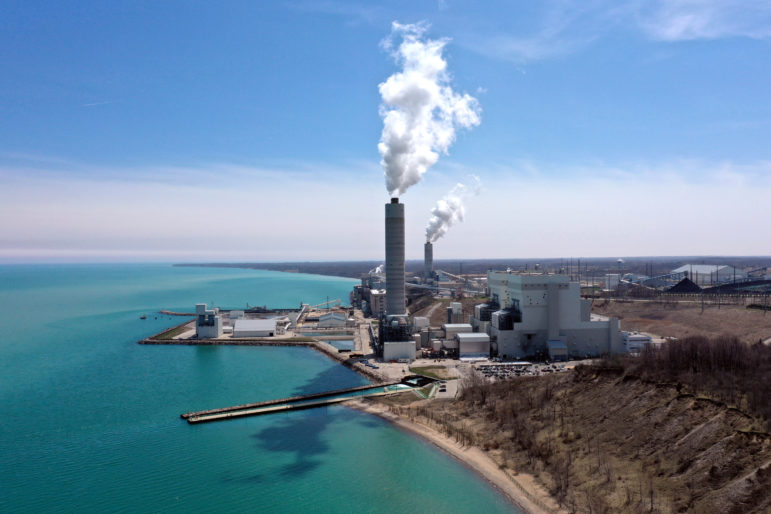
x=428, y=260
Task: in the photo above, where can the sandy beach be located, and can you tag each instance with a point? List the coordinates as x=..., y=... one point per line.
x=521, y=489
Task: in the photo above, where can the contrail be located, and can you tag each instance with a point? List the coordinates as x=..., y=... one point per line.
x=420, y=110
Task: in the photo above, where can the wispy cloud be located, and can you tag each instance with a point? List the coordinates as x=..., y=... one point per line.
x=683, y=20
x=563, y=27
x=98, y=104
x=356, y=13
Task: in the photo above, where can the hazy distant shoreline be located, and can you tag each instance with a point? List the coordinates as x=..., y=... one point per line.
x=354, y=269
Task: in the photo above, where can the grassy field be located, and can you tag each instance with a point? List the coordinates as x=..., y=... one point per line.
x=437, y=372
x=681, y=320
x=171, y=333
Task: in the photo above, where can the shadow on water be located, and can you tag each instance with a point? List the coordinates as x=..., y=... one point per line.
x=301, y=434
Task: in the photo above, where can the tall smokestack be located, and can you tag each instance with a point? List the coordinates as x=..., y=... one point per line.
x=394, y=258
x=428, y=260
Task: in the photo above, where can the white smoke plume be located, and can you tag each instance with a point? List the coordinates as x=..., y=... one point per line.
x=450, y=210
x=420, y=110
x=379, y=270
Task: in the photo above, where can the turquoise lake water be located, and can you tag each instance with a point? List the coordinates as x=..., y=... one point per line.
x=90, y=419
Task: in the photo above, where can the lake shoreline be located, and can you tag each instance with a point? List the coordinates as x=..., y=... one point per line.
x=513, y=488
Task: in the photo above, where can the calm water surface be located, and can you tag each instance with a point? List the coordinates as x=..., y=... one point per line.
x=90, y=419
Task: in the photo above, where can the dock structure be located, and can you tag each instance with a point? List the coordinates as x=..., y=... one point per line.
x=308, y=401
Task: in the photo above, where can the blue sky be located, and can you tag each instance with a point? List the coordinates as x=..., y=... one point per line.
x=249, y=130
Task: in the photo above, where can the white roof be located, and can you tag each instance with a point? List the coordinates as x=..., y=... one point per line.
x=328, y=315
x=456, y=326
x=703, y=269
x=472, y=337
x=254, y=324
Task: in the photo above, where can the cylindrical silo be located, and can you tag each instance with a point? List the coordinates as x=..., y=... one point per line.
x=394, y=257
x=428, y=260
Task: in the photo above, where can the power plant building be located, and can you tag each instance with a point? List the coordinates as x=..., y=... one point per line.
x=544, y=314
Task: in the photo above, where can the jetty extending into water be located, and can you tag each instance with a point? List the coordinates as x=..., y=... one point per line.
x=291, y=399
x=308, y=401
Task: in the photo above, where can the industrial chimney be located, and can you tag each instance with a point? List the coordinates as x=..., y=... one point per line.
x=394, y=257
x=428, y=260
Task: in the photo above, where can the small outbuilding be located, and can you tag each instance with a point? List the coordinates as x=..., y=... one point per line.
x=558, y=350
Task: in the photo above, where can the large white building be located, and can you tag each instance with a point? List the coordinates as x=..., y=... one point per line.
x=538, y=309
x=254, y=328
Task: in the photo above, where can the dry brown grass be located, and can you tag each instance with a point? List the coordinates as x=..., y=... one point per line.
x=680, y=320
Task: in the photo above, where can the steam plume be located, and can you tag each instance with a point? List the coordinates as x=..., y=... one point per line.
x=450, y=210
x=420, y=110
